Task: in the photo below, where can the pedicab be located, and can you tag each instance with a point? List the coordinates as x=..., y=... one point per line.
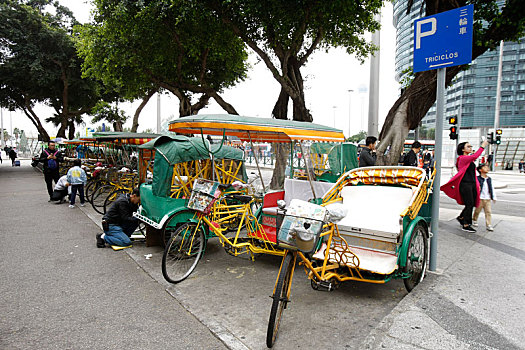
x=211, y=206
x=168, y=167
x=121, y=177
x=372, y=226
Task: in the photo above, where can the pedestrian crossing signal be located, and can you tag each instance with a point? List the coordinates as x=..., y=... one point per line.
x=452, y=120
x=490, y=138
x=498, y=136
x=453, y=133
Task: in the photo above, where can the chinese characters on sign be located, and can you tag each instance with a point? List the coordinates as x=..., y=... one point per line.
x=443, y=40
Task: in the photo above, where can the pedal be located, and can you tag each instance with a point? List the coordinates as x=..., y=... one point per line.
x=326, y=286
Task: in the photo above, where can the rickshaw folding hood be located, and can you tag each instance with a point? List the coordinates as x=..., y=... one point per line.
x=170, y=150
x=255, y=129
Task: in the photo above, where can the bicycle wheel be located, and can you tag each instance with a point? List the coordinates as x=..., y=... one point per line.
x=183, y=251
x=416, y=264
x=99, y=197
x=280, y=298
x=112, y=197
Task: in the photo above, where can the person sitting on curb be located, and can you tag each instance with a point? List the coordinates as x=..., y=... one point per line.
x=486, y=195
x=61, y=190
x=118, y=222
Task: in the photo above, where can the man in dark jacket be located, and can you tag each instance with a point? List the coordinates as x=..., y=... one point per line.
x=118, y=222
x=12, y=155
x=367, y=158
x=411, y=157
x=51, y=158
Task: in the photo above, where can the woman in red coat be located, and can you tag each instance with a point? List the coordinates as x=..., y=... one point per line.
x=464, y=186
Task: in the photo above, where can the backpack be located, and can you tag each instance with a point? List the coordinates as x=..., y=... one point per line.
x=51, y=163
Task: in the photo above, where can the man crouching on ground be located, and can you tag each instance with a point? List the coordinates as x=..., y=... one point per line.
x=118, y=222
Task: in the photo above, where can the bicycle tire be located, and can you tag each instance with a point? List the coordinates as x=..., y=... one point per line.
x=416, y=263
x=178, y=260
x=112, y=197
x=99, y=197
x=280, y=299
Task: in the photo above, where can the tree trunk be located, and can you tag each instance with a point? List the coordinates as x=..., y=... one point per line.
x=394, y=138
x=225, y=105
x=71, y=131
x=117, y=126
x=63, y=127
x=36, y=122
x=184, y=106
x=300, y=112
x=407, y=112
x=145, y=100
x=280, y=111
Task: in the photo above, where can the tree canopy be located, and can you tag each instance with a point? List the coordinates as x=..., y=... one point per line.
x=284, y=34
x=39, y=64
x=173, y=45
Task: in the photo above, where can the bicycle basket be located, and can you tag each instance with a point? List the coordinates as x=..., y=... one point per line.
x=203, y=195
x=301, y=226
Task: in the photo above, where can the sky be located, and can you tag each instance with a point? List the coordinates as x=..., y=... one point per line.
x=328, y=78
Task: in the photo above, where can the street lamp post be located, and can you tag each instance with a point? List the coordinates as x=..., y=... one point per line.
x=334, y=107
x=349, y=110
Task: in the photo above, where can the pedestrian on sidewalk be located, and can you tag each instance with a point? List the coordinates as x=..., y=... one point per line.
x=411, y=157
x=367, y=157
x=61, y=190
x=77, y=178
x=487, y=194
x=464, y=186
x=118, y=222
x=51, y=158
x=12, y=155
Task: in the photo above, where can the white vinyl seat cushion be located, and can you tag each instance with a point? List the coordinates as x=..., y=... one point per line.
x=374, y=209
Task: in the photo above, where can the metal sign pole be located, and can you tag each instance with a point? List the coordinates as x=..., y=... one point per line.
x=440, y=104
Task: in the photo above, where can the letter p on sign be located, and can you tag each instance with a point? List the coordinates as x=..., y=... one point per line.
x=420, y=34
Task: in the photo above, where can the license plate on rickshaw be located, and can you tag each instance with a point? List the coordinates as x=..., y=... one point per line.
x=203, y=195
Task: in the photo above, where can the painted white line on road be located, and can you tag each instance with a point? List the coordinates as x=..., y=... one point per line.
x=446, y=214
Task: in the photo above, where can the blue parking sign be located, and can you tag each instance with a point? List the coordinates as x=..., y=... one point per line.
x=443, y=40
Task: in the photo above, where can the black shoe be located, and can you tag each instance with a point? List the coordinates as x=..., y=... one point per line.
x=460, y=220
x=468, y=229
x=105, y=225
x=100, y=241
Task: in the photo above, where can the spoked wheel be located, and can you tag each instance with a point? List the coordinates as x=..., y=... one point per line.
x=416, y=264
x=99, y=197
x=183, y=251
x=281, y=297
x=112, y=197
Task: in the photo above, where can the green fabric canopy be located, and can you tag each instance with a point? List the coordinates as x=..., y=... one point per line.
x=170, y=150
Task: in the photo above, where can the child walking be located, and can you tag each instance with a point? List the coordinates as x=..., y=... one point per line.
x=487, y=195
x=76, y=176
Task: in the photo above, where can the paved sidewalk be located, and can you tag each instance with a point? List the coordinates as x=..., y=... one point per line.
x=58, y=291
x=475, y=302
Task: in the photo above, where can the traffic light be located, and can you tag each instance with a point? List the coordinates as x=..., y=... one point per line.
x=490, y=138
x=498, y=136
x=453, y=129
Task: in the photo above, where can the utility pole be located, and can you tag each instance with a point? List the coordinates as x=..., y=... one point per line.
x=2, y=127
x=498, y=98
x=349, y=110
x=373, y=96
x=334, y=107
x=158, y=112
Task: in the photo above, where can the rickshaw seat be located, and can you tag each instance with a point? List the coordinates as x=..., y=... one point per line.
x=296, y=189
x=374, y=210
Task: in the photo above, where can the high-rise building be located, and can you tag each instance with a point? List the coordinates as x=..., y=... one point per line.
x=473, y=92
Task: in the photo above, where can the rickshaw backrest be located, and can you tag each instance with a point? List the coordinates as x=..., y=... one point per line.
x=294, y=189
x=373, y=215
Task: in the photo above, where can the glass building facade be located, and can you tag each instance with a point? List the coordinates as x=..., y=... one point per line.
x=473, y=92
